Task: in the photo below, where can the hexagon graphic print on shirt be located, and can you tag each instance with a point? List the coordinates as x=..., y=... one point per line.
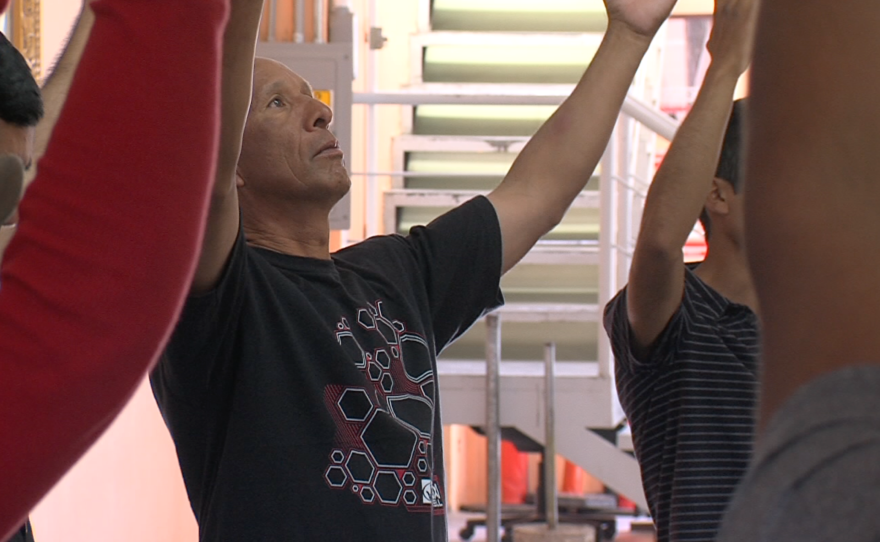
x=384, y=449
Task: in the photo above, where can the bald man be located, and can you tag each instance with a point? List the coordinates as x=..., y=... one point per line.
x=300, y=386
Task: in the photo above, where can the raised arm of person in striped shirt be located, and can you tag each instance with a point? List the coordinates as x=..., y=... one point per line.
x=686, y=182
x=108, y=236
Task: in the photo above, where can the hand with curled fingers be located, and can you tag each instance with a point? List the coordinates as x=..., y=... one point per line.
x=642, y=17
x=733, y=33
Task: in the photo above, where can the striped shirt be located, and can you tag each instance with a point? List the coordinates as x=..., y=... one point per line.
x=691, y=407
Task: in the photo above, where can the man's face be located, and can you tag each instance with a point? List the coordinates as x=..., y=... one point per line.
x=288, y=150
x=18, y=141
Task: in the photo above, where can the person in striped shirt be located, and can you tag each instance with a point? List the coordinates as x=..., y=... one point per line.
x=685, y=338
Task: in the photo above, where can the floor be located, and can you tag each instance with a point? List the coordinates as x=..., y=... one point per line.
x=457, y=520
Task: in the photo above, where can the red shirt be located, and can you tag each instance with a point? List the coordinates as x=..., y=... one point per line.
x=108, y=236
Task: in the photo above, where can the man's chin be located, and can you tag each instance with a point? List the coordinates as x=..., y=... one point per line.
x=339, y=192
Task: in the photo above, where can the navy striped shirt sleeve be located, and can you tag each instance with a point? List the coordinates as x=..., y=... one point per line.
x=620, y=333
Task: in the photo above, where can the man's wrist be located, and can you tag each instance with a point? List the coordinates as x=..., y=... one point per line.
x=620, y=32
x=724, y=70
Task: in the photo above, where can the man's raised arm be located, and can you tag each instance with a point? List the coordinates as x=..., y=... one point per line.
x=812, y=192
x=55, y=89
x=560, y=158
x=679, y=190
x=239, y=46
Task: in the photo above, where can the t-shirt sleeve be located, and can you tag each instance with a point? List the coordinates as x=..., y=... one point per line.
x=619, y=331
x=202, y=346
x=459, y=256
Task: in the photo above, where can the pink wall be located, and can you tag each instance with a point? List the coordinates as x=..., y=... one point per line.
x=127, y=488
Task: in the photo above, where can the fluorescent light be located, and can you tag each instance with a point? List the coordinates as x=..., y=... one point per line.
x=448, y=162
x=520, y=6
x=494, y=163
x=510, y=56
x=487, y=112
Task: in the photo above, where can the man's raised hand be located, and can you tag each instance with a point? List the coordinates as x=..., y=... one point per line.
x=733, y=33
x=642, y=17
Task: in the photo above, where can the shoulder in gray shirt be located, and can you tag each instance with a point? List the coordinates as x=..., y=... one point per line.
x=815, y=473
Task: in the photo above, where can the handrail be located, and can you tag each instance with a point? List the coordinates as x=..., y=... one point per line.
x=657, y=121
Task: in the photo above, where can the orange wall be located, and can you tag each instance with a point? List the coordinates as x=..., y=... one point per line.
x=285, y=21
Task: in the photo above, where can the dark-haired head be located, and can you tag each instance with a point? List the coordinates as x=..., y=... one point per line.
x=21, y=108
x=730, y=162
x=21, y=103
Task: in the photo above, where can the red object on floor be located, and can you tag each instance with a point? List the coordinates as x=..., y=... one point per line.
x=625, y=504
x=514, y=474
x=573, y=479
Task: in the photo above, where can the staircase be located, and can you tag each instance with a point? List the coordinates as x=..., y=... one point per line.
x=450, y=153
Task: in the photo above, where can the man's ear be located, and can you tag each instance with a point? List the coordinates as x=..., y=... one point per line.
x=718, y=200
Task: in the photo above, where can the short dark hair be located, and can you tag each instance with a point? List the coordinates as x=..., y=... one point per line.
x=730, y=162
x=21, y=102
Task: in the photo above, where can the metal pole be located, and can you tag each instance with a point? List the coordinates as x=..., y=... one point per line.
x=550, y=496
x=273, y=16
x=300, y=32
x=320, y=7
x=607, y=260
x=624, y=202
x=493, y=428
x=371, y=188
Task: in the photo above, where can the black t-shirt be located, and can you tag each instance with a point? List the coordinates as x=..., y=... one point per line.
x=690, y=404
x=301, y=393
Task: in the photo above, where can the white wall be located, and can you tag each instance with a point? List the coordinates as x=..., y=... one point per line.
x=56, y=20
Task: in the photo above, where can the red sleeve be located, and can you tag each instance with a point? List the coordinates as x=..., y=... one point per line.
x=108, y=236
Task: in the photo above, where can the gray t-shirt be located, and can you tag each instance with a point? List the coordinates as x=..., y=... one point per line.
x=815, y=474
